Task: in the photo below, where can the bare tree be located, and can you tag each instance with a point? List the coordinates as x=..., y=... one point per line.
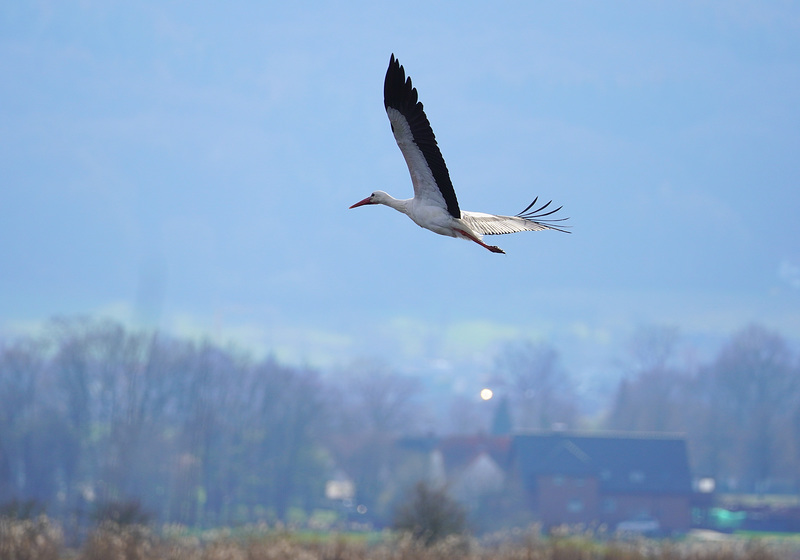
x=711, y=440
x=372, y=405
x=649, y=396
x=291, y=410
x=653, y=348
x=378, y=400
x=543, y=392
x=78, y=388
x=756, y=381
x=22, y=370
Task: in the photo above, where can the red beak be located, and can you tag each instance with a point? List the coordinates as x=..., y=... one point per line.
x=361, y=203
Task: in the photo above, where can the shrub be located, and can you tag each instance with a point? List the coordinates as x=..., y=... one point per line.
x=22, y=509
x=128, y=512
x=430, y=515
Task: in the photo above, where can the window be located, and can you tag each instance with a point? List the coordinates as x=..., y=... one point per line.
x=636, y=477
x=575, y=505
x=609, y=505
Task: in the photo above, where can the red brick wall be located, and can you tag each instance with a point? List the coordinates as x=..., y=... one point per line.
x=567, y=500
x=575, y=500
x=672, y=512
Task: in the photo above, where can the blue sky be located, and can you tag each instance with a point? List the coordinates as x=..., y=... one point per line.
x=190, y=166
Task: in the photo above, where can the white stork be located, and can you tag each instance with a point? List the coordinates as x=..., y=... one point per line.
x=434, y=205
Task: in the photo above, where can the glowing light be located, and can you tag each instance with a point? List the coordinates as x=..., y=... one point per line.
x=486, y=394
x=706, y=485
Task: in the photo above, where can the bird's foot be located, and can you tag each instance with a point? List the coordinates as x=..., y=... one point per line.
x=492, y=248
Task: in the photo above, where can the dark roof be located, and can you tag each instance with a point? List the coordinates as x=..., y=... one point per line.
x=459, y=451
x=622, y=463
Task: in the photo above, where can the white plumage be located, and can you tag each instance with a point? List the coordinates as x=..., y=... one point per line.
x=435, y=206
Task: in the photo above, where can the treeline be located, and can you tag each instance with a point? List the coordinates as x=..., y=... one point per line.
x=740, y=412
x=93, y=413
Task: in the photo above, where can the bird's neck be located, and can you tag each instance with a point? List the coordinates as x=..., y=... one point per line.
x=397, y=204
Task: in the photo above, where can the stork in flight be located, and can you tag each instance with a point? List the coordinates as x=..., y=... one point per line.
x=434, y=205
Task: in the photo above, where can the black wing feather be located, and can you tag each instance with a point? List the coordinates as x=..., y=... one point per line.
x=536, y=215
x=399, y=94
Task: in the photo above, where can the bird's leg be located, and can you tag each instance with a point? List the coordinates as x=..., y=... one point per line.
x=492, y=248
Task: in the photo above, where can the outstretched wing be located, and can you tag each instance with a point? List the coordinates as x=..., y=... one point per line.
x=416, y=140
x=527, y=220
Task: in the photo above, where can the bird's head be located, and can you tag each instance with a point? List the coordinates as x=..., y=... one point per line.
x=378, y=197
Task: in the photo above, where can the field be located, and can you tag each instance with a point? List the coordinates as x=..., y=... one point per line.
x=40, y=540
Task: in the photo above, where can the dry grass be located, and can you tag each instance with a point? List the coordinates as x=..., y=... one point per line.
x=40, y=540
x=29, y=539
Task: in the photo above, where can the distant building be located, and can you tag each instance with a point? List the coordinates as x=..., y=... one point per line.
x=625, y=481
x=471, y=466
x=474, y=466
